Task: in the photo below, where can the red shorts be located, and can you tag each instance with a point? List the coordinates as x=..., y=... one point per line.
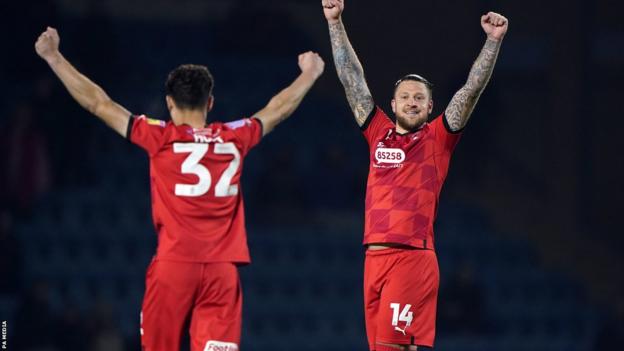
x=400, y=296
x=206, y=294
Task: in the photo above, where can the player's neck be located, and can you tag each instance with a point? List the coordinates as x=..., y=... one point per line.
x=193, y=118
x=401, y=130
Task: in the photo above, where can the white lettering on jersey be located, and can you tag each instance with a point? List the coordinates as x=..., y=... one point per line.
x=213, y=345
x=206, y=139
x=223, y=187
x=389, y=155
x=192, y=165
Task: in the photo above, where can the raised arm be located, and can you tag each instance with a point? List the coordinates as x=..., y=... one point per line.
x=348, y=66
x=282, y=105
x=88, y=94
x=459, y=109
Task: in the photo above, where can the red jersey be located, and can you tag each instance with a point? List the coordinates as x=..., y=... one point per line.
x=197, y=202
x=404, y=180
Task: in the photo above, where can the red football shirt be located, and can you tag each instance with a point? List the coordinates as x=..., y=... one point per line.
x=197, y=202
x=404, y=180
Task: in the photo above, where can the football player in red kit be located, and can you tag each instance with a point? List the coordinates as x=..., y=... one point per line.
x=409, y=161
x=197, y=203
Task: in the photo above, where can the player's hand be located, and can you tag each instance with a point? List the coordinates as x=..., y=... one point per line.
x=494, y=25
x=47, y=45
x=311, y=62
x=332, y=10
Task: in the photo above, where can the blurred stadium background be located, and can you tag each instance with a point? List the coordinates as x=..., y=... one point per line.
x=528, y=234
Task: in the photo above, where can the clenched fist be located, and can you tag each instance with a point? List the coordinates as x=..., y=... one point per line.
x=333, y=9
x=311, y=62
x=47, y=44
x=494, y=25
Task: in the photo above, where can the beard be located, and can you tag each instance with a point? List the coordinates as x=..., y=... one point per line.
x=411, y=123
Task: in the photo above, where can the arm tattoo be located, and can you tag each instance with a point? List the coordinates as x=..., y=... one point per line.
x=351, y=73
x=464, y=101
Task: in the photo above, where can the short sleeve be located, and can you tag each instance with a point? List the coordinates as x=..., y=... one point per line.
x=146, y=132
x=445, y=138
x=376, y=125
x=248, y=131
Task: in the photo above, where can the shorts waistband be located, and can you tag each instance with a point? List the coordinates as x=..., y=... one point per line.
x=414, y=245
x=392, y=250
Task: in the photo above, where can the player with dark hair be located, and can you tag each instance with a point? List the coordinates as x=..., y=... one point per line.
x=409, y=162
x=197, y=203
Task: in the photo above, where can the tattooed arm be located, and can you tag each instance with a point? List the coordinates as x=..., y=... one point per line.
x=459, y=109
x=348, y=66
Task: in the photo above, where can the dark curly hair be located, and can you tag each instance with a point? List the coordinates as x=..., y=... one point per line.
x=190, y=86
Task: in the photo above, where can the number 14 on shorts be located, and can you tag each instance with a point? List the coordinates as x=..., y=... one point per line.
x=405, y=315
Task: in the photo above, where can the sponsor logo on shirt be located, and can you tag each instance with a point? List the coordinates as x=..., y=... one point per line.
x=389, y=155
x=220, y=346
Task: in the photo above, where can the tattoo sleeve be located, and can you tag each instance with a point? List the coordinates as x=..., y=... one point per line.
x=351, y=73
x=459, y=109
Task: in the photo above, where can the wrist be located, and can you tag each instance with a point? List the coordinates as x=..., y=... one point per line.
x=54, y=58
x=494, y=39
x=311, y=74
x=334, y=20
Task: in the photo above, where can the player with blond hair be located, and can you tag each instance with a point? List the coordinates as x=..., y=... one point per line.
x=409, y=161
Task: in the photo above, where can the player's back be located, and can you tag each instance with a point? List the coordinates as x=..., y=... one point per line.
x=197, y=202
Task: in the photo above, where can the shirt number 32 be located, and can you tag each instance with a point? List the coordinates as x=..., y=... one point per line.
x=191, y=165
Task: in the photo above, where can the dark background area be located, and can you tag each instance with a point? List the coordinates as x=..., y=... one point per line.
x=528, y=231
